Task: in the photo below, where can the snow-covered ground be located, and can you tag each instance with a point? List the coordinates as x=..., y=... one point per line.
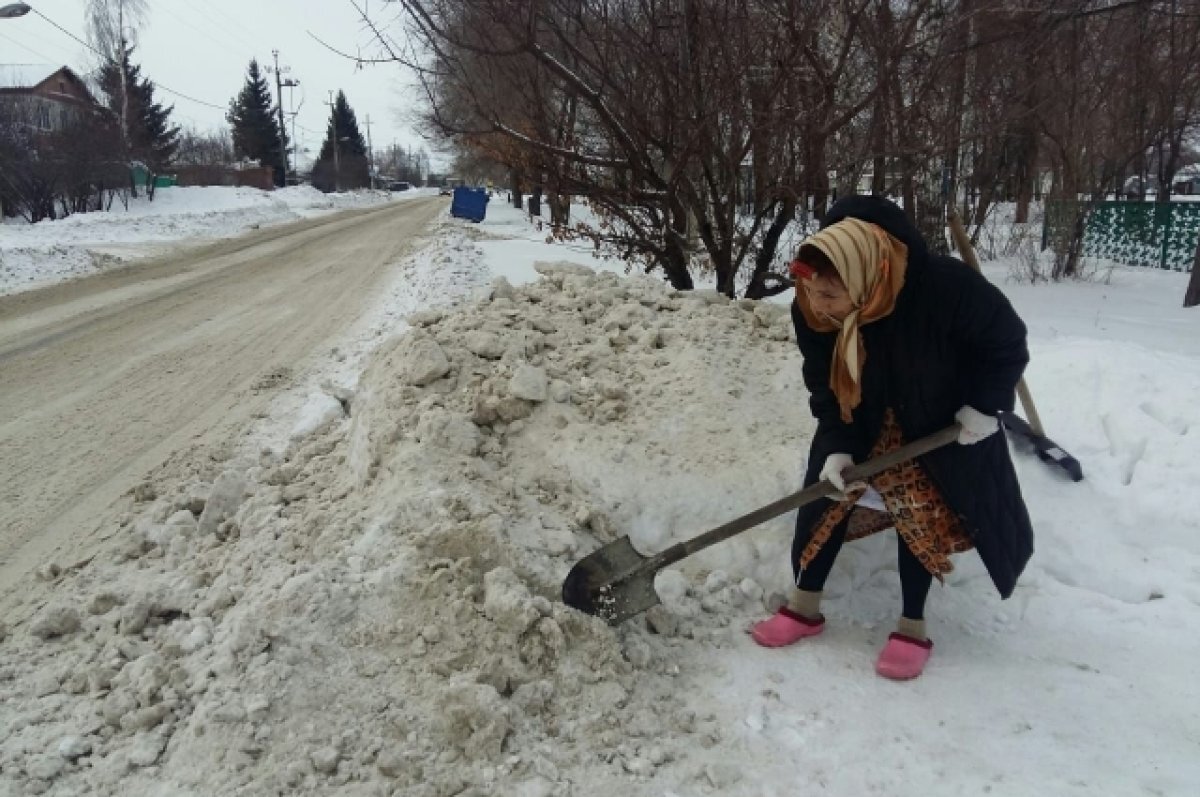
x=361, y=598
x=32, y=255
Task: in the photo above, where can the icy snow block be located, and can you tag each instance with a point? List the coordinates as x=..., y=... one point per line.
x=227, y=495
x=485, y=344
x=529, y=383
x=423, y=360
x=449, y=432
x=56, y=621
x=563, y=268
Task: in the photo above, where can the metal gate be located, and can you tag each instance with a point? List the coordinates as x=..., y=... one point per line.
x=1153, y=234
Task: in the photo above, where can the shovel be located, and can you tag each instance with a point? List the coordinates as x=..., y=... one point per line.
x=616, y=582
x=1031, y=430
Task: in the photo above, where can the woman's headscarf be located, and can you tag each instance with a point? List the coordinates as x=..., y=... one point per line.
x=871, y=263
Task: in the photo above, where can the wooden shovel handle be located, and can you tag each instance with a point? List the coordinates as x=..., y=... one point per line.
x=819, y=490
x=962, y=242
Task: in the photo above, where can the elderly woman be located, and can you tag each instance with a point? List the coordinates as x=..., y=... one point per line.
x=897, y=344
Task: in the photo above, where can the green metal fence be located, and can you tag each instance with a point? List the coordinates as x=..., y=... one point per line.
x=1153, y=234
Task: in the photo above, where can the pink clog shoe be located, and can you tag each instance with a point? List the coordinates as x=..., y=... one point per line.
x=903, y=657
x=784, y=628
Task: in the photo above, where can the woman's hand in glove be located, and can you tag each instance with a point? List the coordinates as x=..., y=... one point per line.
x=835, y=465
x=975, y=425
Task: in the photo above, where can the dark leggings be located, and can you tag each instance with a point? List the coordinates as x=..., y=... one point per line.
x=914, y=578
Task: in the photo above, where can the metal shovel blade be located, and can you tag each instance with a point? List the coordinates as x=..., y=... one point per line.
x=1047, y=450
x=615, y=582
x=612, y=583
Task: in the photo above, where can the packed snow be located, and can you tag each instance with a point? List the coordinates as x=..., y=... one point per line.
x=361, y=596
x=34, y=255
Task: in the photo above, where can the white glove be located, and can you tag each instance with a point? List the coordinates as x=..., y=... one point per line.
x=835, y=464
x=975, y=425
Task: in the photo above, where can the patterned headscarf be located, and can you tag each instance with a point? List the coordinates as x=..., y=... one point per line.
x=871, y=263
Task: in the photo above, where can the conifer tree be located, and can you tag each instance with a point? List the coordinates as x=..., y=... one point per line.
x=348, y=168
x=110, y=24
x=256, y=132
x=151, y=137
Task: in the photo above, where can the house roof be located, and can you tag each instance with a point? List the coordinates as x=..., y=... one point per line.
x=25, y=76
x=21, y=78
x=1189, y=172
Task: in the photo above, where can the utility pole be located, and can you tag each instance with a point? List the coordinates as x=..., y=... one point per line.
x=296, y=149
x=370, y=152
x=279, y=84
x=337, y=162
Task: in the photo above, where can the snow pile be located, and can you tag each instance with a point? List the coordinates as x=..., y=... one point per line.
x=50, y=251
x=376, y=608
x=372, y=607
x=444, y=268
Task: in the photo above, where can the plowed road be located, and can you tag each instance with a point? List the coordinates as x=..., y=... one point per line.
x=102, y=378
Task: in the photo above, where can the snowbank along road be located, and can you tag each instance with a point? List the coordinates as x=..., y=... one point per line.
x=104, y=377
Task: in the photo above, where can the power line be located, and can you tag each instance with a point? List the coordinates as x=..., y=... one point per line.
x=27, y=48
x=230, y=28
x=30, y=39
x=69, y=33
x=186, y=97
x=228, y=45
x=229, y=32
x=167, y=89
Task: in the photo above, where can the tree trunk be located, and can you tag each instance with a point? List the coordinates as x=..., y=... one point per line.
x=930, y=215
x=879, y=147
x=958, y=94
x=560, y=209
x=1192, y=297
x=676, y=257
x=908, y=194
x=1167, y=169
x=723, y=264
x=1070, y=251
x=817, y=177
x=986, y=195
x=763, y=283
x=675, y=264
x=514, y=178
x=1024, y=194
x=1027, y=150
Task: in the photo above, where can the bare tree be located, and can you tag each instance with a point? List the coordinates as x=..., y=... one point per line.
x=677, y=121
x=1089, y=126
x=1191, y=297
x=699, y=131
x=110, y=25
x=52, y=174
x=1175, y=86
x=213, y=148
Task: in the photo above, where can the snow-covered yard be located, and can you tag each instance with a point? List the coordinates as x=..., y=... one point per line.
x=361, y=596
x=50, y=251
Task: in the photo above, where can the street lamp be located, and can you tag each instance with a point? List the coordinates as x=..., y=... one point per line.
x=13, y=10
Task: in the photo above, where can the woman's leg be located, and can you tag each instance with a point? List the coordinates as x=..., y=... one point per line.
x=915, y=581
x=907, y=651
x=801, y=617
x=812, y=578
x=805, y=599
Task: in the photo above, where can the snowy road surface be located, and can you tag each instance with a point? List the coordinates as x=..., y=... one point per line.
x=104, y=377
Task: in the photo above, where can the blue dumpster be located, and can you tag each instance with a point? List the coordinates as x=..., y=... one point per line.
x=469, y=203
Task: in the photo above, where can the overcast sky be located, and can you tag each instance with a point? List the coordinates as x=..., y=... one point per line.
x=201, y=48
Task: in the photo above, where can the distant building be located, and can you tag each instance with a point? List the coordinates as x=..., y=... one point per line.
x=1187, y=181
x=44, y=97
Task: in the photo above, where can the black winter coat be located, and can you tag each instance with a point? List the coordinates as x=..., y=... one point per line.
x=952, y=339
